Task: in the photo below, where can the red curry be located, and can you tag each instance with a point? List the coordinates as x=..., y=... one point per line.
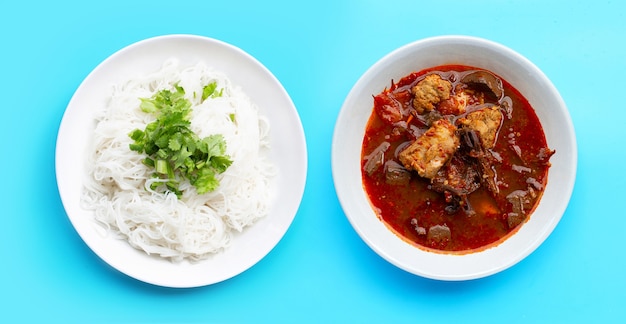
x=453, y=158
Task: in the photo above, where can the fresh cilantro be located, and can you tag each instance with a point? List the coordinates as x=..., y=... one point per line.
x=209, y=91
x=173, y=149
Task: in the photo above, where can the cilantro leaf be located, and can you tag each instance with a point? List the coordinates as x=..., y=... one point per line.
x=147, y=106
x=206, y=181
x=175, y=142
x=173, y=150
x=221, y=163
x=208, y=90
x=215, y=144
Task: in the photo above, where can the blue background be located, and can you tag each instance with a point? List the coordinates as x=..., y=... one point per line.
x=321, y=271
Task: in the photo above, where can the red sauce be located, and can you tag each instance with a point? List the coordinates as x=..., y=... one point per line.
x=412, y=208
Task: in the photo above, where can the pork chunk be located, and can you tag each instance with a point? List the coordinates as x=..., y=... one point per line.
x=429, y=92
x=429, y=152
x=486, y=122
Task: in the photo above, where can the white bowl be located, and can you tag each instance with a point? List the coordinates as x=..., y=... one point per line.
x=521, y=74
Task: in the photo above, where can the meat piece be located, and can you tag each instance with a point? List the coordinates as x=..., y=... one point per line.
x=520, y=168
x=520, y=202
x=429, y=118
x=429, y=92
x=396, y=174
x=375, y=160
x=455, y=104
x=536, y=184
x=456, y=180
x=459, y=176
x=485, y=80
x=514, y=219
x=489, y=175
x=429, y=152
x=471, y=142
x=544, y=155
x=439, y=234
x=521, y=205
x=486, y=122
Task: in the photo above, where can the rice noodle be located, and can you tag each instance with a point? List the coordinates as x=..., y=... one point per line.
x=117, y=187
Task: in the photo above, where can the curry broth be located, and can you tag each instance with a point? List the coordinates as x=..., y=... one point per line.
x=411, y=209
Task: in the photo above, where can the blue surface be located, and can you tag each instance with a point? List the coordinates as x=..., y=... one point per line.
x=321, y=271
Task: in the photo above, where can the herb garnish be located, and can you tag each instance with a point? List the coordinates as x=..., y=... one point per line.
x=173, y=149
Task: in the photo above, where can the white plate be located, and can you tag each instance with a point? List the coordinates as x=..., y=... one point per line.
x=288, y=152
x=523, y=75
